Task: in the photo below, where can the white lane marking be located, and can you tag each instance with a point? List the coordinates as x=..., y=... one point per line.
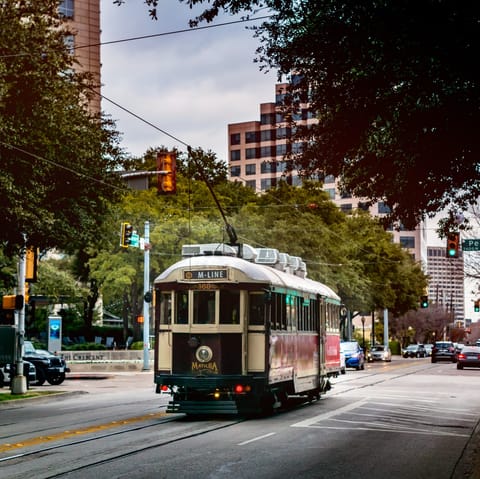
x=328, y=415
x=258, y=438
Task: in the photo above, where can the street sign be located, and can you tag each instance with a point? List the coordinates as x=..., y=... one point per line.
x=471, y=245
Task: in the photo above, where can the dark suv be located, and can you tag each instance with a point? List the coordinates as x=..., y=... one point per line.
x=49, y=367
x=443, y=351
x=415, y=351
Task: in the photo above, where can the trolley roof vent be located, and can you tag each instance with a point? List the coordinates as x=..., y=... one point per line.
x=282, y=264
x=249, y=252
x=302, y=270
x=294, y=263
x=217, y=249
x=267, y=256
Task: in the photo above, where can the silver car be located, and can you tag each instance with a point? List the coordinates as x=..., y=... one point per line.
x=379, y=353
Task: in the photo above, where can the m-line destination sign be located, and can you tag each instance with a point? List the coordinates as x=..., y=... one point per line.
x=206, y=274
x=471, y=245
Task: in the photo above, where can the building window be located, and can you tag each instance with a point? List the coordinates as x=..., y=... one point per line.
x=251, y=184
x=267, y=118
x=250, y=153
x=330, y=192
x=383, y=208
x=250, y=169
x=267, y=135
x=345, y=194
x=346, y=208
x=297, y=148
x=281, y=150
x=268, y=167
x=235, y=171
x=235, y=139
x=407, y=241
x=66, y=8
x=283, y=133
x=69, y=42
x=235, y=155
x=280, y=98
x=329, y=179
x=266, y=151
x=363, y=206
x=251, y=137
x=267, y=183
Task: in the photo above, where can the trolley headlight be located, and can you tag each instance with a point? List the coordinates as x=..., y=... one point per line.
x=204, y=354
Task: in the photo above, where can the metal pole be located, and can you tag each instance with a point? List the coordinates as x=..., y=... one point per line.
x=385, y=327
x=146, y=305
x=19, y=381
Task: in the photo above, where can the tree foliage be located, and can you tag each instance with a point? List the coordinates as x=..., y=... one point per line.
x=395, y=89
x=57, y=158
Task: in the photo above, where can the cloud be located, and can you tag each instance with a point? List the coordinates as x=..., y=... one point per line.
x=189, y=84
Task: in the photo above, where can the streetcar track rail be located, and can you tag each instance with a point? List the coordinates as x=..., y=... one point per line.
x=120, y=455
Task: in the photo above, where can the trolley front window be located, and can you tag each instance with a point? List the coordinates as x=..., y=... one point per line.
x=204, y=307
x=166, y=308
x=229, y=306
x=181, y=307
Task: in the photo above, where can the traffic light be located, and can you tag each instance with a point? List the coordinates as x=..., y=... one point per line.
x=476, y=306
x=453, y=244
x=31, y=264
x=167, y=180
x=424, y=302
x=126, y=235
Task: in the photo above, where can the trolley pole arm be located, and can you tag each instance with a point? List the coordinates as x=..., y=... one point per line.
x=232, y=235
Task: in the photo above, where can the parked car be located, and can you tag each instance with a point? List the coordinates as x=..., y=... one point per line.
x=415, y=351
x=469, y=357
x=379, y=353
x=49, y=367
x=7, y=371
x=428, y=348
x=443, y=351
x=354, y=356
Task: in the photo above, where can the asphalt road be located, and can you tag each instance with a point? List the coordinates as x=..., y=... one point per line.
x=408, y=418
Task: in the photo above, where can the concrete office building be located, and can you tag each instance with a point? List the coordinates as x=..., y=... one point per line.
x=256, y=158
x=446, y=284
x=83, y=17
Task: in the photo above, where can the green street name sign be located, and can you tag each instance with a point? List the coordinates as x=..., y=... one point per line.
x=471, y=245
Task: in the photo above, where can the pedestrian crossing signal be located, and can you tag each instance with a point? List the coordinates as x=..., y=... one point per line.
x=476, y=306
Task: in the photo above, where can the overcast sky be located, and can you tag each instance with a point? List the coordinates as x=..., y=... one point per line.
x=189, y=84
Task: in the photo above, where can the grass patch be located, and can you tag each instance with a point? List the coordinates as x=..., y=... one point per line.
x=8, y=396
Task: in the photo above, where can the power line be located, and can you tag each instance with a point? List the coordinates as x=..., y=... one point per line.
x=173, y=32
x=146, y=37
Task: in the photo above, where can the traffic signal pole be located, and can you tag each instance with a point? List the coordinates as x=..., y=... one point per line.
x=146, y=304
x=19, y=381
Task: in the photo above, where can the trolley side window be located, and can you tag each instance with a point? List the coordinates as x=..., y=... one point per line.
x=165, y=308
x=279, y=311
x=204, y=307
x=181, y=307
x=256, y=309
x=229, y=306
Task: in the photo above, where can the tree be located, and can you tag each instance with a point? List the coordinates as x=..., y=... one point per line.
x=57, y=159
x=395, y=90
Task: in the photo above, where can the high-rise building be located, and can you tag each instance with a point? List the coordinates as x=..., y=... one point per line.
x=256, y=157
x=83, y=17
x=446, y=281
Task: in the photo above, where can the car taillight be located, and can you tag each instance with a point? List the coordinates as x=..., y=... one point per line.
x=461, y=356
x=164, y=388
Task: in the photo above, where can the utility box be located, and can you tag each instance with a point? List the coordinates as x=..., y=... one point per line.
x=8, y=344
